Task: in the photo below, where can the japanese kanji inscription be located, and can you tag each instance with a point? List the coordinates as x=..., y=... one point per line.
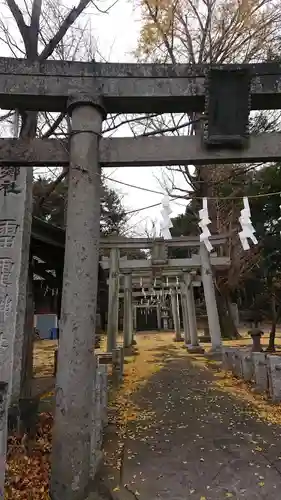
x=8, y=229
x=6, y=266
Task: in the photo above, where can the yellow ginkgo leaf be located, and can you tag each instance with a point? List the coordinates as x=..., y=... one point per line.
x=261, y=483
x=228, y=495
x=117, y=488
x=203, y=498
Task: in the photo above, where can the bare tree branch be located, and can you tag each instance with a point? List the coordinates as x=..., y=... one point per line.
x=54, y=126
x=69, y=20
x=50, y=190
x=23, y=29
x=34, y=27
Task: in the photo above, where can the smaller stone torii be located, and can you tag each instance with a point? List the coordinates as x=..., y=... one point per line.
x=132, y=282
x=161, y=265
x=174, y=289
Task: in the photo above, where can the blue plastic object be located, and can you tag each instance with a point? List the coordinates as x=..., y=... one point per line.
x=54, y=333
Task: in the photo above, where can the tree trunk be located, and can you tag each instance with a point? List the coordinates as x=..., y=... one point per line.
x=275, y=316
x=271, y=343
x=228, y=327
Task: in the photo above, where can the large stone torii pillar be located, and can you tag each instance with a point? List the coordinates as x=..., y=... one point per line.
x=175, y=313
x=184, y=311
x=210, y=299
x=190, y=304
x=72, y=425
x=113, y=299
x=128, y=310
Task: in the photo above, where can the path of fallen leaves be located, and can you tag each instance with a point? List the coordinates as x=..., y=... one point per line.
x=187, y=430
x=139, y=367
x=27, y=476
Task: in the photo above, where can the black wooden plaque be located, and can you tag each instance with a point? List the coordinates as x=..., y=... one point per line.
x=227, y=108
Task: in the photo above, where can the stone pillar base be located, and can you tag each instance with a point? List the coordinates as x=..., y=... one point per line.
x=177, y=339
x=97, y=462
x=215, y=354
x=205, y=338
x=129, y=351
x=195, y=349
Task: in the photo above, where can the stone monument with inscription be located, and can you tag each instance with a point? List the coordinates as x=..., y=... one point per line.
x=15, y=229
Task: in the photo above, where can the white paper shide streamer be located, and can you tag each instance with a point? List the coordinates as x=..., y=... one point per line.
x=166, y=223
x=203, y=224
x=248, y=230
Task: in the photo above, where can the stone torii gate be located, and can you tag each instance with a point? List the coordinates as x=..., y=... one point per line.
x=148, y=283
x=161, y=265
x=172, y=289
x=87, y=91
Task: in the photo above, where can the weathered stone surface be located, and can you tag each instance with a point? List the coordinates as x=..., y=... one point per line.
x=96, y=422
x=140, y=151
x=71, y=449
x=99, y=417
x=113, y=299
x=117, y=365
x=195, y=349
x=177, y=242
x=128, y=310
x=15, y=230
x=185, y=321
x=237, y=363
x=274, y=376
x=247, y=364
x=3, y=430
x=256, y=334
x=260, y=371
x=173, y=266
x=227, y=358
x=127, y=88
x=104, y=394
x=191, y=313
x=175, y=313
x=210, y=298
x=234, y=311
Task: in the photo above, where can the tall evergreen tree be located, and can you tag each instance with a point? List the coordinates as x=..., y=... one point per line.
x=49, y=205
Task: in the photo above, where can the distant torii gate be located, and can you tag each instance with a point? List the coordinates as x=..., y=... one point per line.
x=172, y=289
x=87, y=91
x=161, y=265
x=143, y=285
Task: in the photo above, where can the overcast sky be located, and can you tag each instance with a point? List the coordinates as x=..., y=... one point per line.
x=116, y=34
